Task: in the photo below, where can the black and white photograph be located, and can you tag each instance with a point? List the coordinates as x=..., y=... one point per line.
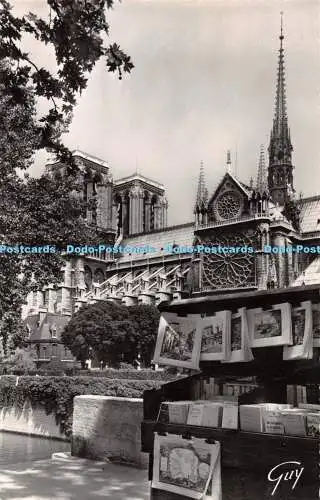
x=270, y=327
x=159, y=180
x=215, y=337
x=298, y=319
x=236, y=333
x=316, y=324
x=187, y=468
x=302, y=340
x=212, y=337
x=178, y=341
x=240, y=341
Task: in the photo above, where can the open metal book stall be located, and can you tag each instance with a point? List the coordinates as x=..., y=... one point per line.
x=246, y=457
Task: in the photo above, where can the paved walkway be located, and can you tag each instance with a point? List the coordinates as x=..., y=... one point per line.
x=69, y=478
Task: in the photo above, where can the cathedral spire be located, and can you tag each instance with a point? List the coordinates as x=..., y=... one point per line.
x=262, y=185
x=280, y=178
x=229, y=161
x=202, y=192
x=201, y=205
x=280, y=122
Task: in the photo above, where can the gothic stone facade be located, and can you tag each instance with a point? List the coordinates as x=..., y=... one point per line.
x=133, y=212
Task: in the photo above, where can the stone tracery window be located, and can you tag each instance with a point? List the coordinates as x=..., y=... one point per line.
x=228, y=205
x=223, y=270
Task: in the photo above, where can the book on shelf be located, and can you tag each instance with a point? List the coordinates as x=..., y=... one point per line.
x=295, y=422
x=301, y=394
x=313, y=425
x=262, y=417
x=310, y=407
x=195, y=415
x=230, y=416
x=212, y=415
x=178, y=411
x=251, y=418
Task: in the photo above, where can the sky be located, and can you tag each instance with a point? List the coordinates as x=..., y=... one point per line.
x=204, y=82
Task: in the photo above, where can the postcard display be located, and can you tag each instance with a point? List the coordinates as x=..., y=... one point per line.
x=247, y=421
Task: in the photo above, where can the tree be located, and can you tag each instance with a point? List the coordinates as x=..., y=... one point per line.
x=33, y=211
x=146, y=321
x=76, y=31
x=103, y=330
x=114, y=333
x=24, y=361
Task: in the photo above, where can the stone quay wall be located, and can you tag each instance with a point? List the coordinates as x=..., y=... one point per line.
x=108, y=428
x=31, y=420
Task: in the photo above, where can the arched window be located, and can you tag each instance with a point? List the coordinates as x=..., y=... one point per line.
x=53, y=331
x=117, y=204
x=88, y=278
x=54, y=350
x=153, y=214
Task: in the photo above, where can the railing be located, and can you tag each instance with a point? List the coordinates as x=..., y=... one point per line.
x=310, y=235
x=237, y=220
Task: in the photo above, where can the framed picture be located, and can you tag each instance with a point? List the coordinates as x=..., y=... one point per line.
x=239, y=338
x=270, y=327
x=316, y=324
x=190, y=468
x=302, y=342
x=215, y=337
x=179, y=340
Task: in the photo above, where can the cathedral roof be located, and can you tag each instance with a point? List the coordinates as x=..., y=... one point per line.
x=138, y=177
x=310, y=214
x=41, y=331
x=243, y=187
x=181, y=235
x=90, y=158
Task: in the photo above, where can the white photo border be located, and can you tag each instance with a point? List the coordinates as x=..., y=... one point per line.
x=244, y=354
x=316, y=341
x=286, y=329
x=165, y=318
x=214, y=472
x=225, y=353
x=303, y=350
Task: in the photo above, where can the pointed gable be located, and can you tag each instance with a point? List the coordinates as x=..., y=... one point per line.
x=229, y=200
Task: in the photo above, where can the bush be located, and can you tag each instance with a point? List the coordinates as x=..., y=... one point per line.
x=56, y=393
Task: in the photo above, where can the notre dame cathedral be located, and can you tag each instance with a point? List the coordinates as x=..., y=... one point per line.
x=132, y=211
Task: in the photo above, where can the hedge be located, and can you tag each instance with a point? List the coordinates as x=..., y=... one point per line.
x=162, y=376
x=56, y=393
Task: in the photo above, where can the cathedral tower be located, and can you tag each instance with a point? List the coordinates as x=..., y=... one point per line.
x=280, y=171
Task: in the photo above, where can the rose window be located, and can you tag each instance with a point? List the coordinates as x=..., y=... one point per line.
x=227, y=269
x=228, y=205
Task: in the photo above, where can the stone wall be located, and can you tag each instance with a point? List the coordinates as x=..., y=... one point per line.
x=108, y=428
x=30, y=420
